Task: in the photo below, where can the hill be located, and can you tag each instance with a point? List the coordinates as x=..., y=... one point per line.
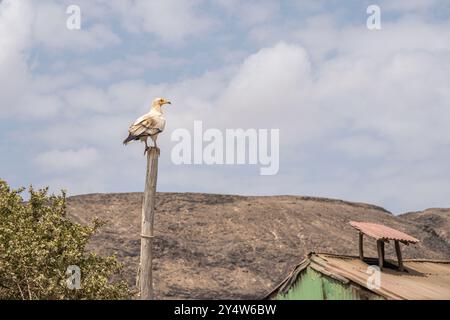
x=221, y=246
x=436, y=222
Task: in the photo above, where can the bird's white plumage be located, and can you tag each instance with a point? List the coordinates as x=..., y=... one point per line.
x=150, y=124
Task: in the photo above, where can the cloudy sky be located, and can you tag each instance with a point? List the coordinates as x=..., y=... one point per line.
x=364, y=115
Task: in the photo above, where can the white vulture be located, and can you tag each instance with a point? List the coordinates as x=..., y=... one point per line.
x=149, y=125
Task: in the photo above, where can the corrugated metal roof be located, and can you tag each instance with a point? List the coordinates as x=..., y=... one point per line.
x=381, y=232
x=423, y=279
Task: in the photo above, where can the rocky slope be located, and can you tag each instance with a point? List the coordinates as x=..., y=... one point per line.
x=220, y=246
x=436, y=222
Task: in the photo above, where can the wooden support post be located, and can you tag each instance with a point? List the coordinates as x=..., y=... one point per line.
x=148, y=213
x=399, y=255
x=361, y=249
x=380, y=245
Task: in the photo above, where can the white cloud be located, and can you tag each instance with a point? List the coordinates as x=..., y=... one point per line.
x=409, y=5
x=57, y=161
x=15, y=19
x=362, y=115
x=267, y=85
x=375, y=109
x=85, y=98
x=14, y=15
x=357, y=146
x=251, y=13
x=38, y=24
x=35, y=106
x=50, y=30
x=133, y=66
x=170, y=21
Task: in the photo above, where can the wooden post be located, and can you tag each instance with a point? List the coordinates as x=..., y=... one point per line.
x=399, y=255
x=148, y=213
x=380, y=245
x=361, y=249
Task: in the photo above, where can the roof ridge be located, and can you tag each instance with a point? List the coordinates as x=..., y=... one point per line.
x=337, y=255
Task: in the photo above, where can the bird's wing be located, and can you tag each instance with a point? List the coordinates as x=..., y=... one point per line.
x=146, y=125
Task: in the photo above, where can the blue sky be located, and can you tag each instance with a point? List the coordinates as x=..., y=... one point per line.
x=363, y=115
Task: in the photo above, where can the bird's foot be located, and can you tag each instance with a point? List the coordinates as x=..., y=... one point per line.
x=147, y=149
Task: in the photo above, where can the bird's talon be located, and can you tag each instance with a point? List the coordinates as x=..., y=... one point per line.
x=150, y=125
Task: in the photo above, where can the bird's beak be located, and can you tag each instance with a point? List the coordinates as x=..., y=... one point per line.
x=168, y=102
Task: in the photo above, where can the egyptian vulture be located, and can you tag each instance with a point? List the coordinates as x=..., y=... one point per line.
x=149, y=125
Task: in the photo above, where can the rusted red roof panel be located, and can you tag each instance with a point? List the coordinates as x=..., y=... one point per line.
x=380, y=232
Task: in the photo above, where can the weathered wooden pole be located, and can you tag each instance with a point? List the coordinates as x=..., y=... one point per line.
x=399, y=255
x=145, y=278
x=380, y=249
x=361, y=246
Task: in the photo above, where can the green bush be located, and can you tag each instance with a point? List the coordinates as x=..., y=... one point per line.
x=37, y=245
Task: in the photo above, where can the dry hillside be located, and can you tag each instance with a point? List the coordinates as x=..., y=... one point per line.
x=436, y=222
x=221, y=246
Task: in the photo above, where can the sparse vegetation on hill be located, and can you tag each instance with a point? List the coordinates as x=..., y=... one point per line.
x=224, y=246
x=37, y=245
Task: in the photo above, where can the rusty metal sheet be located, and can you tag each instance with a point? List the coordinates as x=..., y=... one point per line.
x=381, y=232
x=422, y=280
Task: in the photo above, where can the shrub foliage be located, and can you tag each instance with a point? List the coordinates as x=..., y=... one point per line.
x=37, y=245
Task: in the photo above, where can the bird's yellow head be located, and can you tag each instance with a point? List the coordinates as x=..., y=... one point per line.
x=158, y=102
